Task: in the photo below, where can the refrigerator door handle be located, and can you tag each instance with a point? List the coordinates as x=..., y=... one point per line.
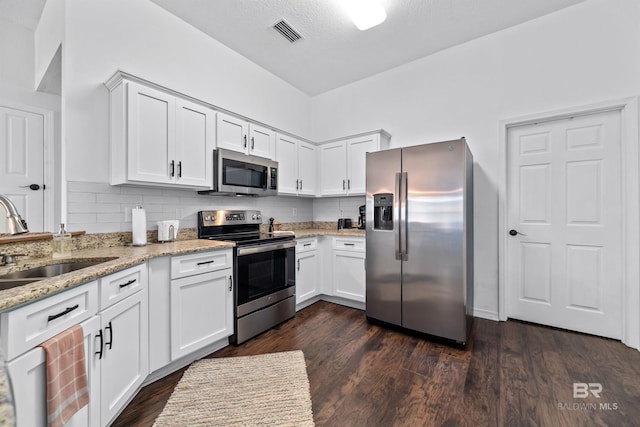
x=404, y=199
x=396, y=220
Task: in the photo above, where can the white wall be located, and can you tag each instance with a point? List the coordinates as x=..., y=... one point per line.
x=17, y=89
x=141, y=38
x=49, y=35
x=581, y=55
x=17, y=69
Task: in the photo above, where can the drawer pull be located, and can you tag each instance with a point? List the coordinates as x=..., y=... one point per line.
x=230, y=283
x=349, y=244
x=110, y=335
x=307, y=244
x=206, y=262
x=67, y=311
x=124, y=285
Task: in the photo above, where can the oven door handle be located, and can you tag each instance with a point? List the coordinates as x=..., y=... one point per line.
x=248, y=250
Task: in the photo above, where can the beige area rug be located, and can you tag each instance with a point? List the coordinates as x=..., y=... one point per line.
x=265, y=390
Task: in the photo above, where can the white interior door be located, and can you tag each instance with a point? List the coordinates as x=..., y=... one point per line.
x=564, y=266
x=22, y=165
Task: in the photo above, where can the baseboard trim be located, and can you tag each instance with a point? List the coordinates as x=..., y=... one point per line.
x=486, y=314
x=184, y=361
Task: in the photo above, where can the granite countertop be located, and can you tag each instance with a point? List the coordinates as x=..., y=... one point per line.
x=116, y=258
x=314, y=232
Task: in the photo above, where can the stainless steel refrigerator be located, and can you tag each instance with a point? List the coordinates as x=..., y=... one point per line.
x=419, y=228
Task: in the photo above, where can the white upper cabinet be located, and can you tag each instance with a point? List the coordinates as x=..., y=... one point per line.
x=194, y=144
x=307, y=168
x=343, y=163
x=236, y=134
x=357, y=149
x=297, y=171
x=150, y=135
x=333, y=172
x=159, y=139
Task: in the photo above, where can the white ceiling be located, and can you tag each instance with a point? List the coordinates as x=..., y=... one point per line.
x=333, y=52
x=23, y=12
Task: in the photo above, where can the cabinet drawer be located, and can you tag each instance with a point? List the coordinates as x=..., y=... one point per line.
x=201, y=262
x=28, y=326
x=349, y=244
x=117, y=286
x=305, y=245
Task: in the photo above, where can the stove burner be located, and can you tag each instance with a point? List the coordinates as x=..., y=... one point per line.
x=242, y=227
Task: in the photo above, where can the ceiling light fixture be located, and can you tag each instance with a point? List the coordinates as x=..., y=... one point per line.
x=364, y=13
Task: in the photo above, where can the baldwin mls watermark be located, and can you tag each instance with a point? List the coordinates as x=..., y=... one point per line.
x=584, y=391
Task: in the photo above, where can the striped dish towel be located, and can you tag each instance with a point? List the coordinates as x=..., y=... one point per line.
x=66, y=376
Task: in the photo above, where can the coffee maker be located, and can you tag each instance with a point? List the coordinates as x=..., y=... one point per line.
x=362, y=220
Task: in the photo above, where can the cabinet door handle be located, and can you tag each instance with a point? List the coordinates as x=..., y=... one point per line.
x=230, y=283
x=172, y=167
x=205, y=262
x=124, y=285
x=297, y=184
x=299, y=264
x=99, y=352
x=180, y=169
x=253, y=143
x=245, y=141
x=62, y=313
x=110, y=335
x=348, y=184
x=343, y=184
x=300, y=184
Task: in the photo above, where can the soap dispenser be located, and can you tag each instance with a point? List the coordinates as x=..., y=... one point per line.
x=61, y=243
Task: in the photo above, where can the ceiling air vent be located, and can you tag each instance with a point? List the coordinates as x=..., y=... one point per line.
x=287, y=31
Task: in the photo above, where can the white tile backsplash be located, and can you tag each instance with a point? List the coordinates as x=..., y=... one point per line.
x=100, y=208
x=332, y=208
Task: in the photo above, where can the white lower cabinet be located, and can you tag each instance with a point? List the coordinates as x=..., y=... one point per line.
x=201, y=311
x=306, y=269
x=28, y=379
x=191, y=304
x=348, y=268
x=121, y=352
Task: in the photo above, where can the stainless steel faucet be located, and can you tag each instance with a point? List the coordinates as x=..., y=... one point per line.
x=15, y=223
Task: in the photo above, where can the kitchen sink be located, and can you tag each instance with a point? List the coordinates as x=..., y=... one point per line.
x=23, y=277
x=14, y=283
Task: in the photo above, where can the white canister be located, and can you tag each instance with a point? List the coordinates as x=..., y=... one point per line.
x=139, y=226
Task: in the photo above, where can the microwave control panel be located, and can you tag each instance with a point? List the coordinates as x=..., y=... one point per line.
x=273, y=185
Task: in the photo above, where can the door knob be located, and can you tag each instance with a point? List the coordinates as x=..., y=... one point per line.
x=33, y=187
x=513, y=232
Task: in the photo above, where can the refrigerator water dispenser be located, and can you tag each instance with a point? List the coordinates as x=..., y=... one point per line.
x=383, y=211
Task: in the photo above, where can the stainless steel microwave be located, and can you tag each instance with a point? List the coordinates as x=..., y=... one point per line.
x=238, y=173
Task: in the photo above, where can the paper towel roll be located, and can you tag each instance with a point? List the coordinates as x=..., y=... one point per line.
x=139, y=226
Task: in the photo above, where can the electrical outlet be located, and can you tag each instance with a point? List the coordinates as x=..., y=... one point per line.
x=294, y=212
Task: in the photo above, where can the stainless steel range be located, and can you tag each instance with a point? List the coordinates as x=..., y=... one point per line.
x=264, y=270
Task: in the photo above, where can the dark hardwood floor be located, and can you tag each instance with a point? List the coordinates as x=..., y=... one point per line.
x=510, y=374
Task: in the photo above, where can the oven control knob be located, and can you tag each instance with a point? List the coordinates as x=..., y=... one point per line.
x=259, y=216
x=207, y=218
